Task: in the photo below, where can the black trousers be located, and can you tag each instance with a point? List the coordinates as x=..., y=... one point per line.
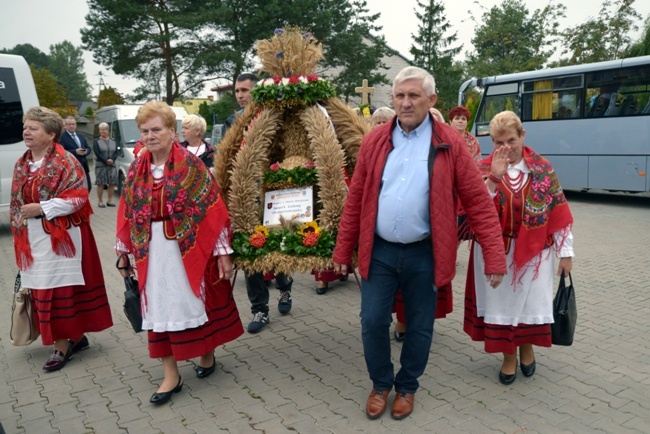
x=258, y=292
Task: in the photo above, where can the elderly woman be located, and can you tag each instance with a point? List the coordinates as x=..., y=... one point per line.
x=106, y=153
x=54, y=245
x=536, y=222
x=458, y=118
x=173, y=220
x=382, y=115
x=193, y=129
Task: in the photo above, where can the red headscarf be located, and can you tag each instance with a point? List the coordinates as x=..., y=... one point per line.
x=196, y=208
x=546, y=210
x=59, y=176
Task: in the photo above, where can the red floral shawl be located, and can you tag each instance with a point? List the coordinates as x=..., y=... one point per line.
x=546, y=210
x=196, y=209
x=60, y=176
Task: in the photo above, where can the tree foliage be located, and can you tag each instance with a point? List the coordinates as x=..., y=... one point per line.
x=32, y=55
x=604, y=37
x=64, y=64
x=433, y=50
x=642, y=46
x=218, y=112
x=511, y=39
x=174, y=46
x=67, y=65
x=353, y=53
x=50, y=93
x=109, y=96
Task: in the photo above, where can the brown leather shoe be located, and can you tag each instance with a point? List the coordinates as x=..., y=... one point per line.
x=376, y=404
x=403, y=405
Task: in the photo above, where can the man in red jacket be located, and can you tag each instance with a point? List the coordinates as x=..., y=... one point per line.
x=401, y=212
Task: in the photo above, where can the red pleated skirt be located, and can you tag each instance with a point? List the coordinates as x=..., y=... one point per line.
x=499, y=338
x=327, y=276
x=223, y=325
x=444, y=305
x=70, y=311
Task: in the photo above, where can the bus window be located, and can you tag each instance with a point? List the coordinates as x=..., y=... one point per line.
x=554, y=98
x=621, y=92
x=497, y=99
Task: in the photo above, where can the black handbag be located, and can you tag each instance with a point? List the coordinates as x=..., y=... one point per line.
x=132, y=305
x=565, y=314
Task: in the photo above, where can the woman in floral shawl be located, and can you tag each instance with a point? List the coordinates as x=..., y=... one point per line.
x=54, y=245
x=536, y=222
x=173, y=220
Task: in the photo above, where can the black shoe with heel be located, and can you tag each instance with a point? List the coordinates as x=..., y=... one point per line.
x=202, y=372
x=160, y=398
x=528, y=370
x=507, y=379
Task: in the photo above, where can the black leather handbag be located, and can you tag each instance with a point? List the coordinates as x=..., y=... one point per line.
x=565, y=314
x=132, y=304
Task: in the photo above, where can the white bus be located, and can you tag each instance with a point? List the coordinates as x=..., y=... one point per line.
x=124, y=131
x=17, y=95
x=591, y=121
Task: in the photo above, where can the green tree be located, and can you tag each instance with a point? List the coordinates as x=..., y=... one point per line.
x=353, y=53
x=174, y=46
x=32, y=55
x=67, y=65
x=642, y=46
x=160, y=43
x=50, y=93
x=432, y=50
x=218, y=111
x=510, y=39
x=604, y=37
x=109, y=96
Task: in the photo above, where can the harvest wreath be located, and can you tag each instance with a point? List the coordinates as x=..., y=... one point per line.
x=307, y=141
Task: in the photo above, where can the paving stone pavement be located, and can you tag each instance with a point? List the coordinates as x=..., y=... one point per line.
x=305, y=371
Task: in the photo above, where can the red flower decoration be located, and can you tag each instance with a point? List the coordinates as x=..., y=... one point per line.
x=311, y=239
x=309, y=165
x=293, y=79
x=277, y=80
x=312, y=77
x=275, y=167
x=257, y=240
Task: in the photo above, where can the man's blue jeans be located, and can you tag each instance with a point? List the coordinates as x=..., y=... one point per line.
x=393, y=266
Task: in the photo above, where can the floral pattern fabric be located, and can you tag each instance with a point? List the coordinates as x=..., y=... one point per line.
x=59, y=176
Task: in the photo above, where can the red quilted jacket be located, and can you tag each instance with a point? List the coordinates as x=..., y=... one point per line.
x=453, y=175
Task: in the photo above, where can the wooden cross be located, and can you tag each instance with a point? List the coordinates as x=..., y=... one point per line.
x=365, y=91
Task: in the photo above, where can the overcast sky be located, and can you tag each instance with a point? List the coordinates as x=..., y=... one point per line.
x=46, y=22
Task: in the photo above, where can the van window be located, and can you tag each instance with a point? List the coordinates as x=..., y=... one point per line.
x=11, y=109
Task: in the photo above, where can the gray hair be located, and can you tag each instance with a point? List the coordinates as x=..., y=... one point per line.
x=102, y=125
x=195, y=122
x=49, y=119
x=415, y=73
x=383, y=113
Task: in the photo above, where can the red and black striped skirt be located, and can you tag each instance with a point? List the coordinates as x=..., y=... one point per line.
x=70, y=311
x=223, y=325
x=499, y=338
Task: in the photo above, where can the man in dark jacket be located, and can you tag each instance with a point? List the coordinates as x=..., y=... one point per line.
x=401, y=212
x=77, y=145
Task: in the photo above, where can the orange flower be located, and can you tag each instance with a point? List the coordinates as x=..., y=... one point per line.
x=257, y=240
x=311, y=239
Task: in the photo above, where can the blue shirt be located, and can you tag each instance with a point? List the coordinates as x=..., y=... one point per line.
x=403, y=211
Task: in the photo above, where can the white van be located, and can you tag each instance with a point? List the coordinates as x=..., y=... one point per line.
x=17, y=95
x=124, y=131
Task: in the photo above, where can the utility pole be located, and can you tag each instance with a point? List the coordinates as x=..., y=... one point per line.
x=101, y=83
